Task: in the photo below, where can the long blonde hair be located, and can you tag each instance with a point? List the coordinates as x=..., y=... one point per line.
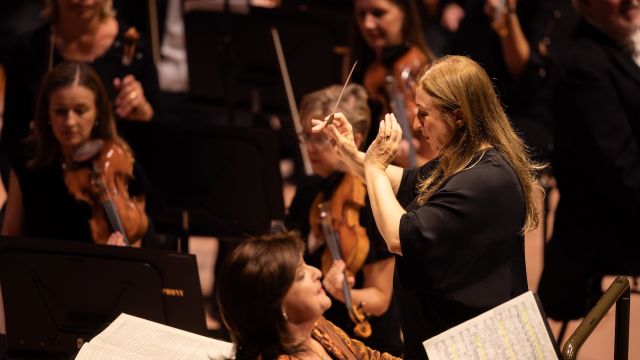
x=459, y=83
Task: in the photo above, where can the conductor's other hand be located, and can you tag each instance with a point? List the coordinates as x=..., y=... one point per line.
x=383, y=149
x=340, y=131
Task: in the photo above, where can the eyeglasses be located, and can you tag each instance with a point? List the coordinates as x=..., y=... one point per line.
x=316, y=140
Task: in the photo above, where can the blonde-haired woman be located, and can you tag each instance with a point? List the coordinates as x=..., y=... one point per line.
x=457, y=223
x=84, y=32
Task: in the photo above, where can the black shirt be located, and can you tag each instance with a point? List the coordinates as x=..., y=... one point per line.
x=463, y=251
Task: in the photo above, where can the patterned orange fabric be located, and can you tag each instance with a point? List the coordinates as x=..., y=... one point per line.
x=340, y=346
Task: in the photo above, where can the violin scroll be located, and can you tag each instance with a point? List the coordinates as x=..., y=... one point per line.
x=131, y=37
x=362, y=327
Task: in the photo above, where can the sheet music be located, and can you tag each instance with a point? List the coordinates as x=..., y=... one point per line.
x=130, y=337
x=97, y=352
x=513, y=330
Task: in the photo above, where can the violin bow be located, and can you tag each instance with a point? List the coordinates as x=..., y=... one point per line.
x=330, y=120
x=293, y=108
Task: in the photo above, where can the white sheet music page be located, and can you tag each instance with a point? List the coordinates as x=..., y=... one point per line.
x=134, y=338
x=513, y=330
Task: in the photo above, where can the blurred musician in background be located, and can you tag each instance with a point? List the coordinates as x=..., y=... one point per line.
x=72, y=110
x=390, y=48
x=79, y=31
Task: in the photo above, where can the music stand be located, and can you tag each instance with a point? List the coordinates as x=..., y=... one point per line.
x=209, y=180
x=59, y=294
x=232, y=61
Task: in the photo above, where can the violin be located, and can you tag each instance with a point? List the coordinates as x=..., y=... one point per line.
x=98, y=173
x=337, y=222
x=391, y=81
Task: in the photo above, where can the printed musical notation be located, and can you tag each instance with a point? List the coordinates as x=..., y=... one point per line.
x=513, y=330
x=132, y=338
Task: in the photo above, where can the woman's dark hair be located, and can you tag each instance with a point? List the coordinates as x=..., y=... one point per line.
x=252, y=285
x=47, y=149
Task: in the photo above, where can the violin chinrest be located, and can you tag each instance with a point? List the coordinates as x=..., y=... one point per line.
x=87, y=151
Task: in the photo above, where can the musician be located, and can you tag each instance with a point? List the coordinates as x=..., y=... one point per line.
x=597, y=113
x=272, y=303
x=374, y=280
x=389, y=41
x=457, y=223
x=506, y=37
x=87, y=32
x=72, y=109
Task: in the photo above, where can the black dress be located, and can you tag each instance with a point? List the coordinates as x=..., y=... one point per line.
x=29, y=64
x=49, y=211
x=386, y=328
x=463, y=251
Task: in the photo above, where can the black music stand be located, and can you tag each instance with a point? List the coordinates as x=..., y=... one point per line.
x=209, y=180
x=232, y=61
x=59, y=294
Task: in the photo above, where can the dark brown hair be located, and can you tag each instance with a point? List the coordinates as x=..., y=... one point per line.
x=47, y=148
x=252, y=285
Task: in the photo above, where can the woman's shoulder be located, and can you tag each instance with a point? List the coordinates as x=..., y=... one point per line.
x=489, y=171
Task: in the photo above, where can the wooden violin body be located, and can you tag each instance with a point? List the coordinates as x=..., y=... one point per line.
x=392, y=83
x=102, y=181
x=337, y=222
x=403, y=71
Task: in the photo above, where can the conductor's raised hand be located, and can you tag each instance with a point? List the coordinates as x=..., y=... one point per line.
x=383, y=149
x=340, y=131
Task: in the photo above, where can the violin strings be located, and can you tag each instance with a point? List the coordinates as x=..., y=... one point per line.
x=333, y=241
